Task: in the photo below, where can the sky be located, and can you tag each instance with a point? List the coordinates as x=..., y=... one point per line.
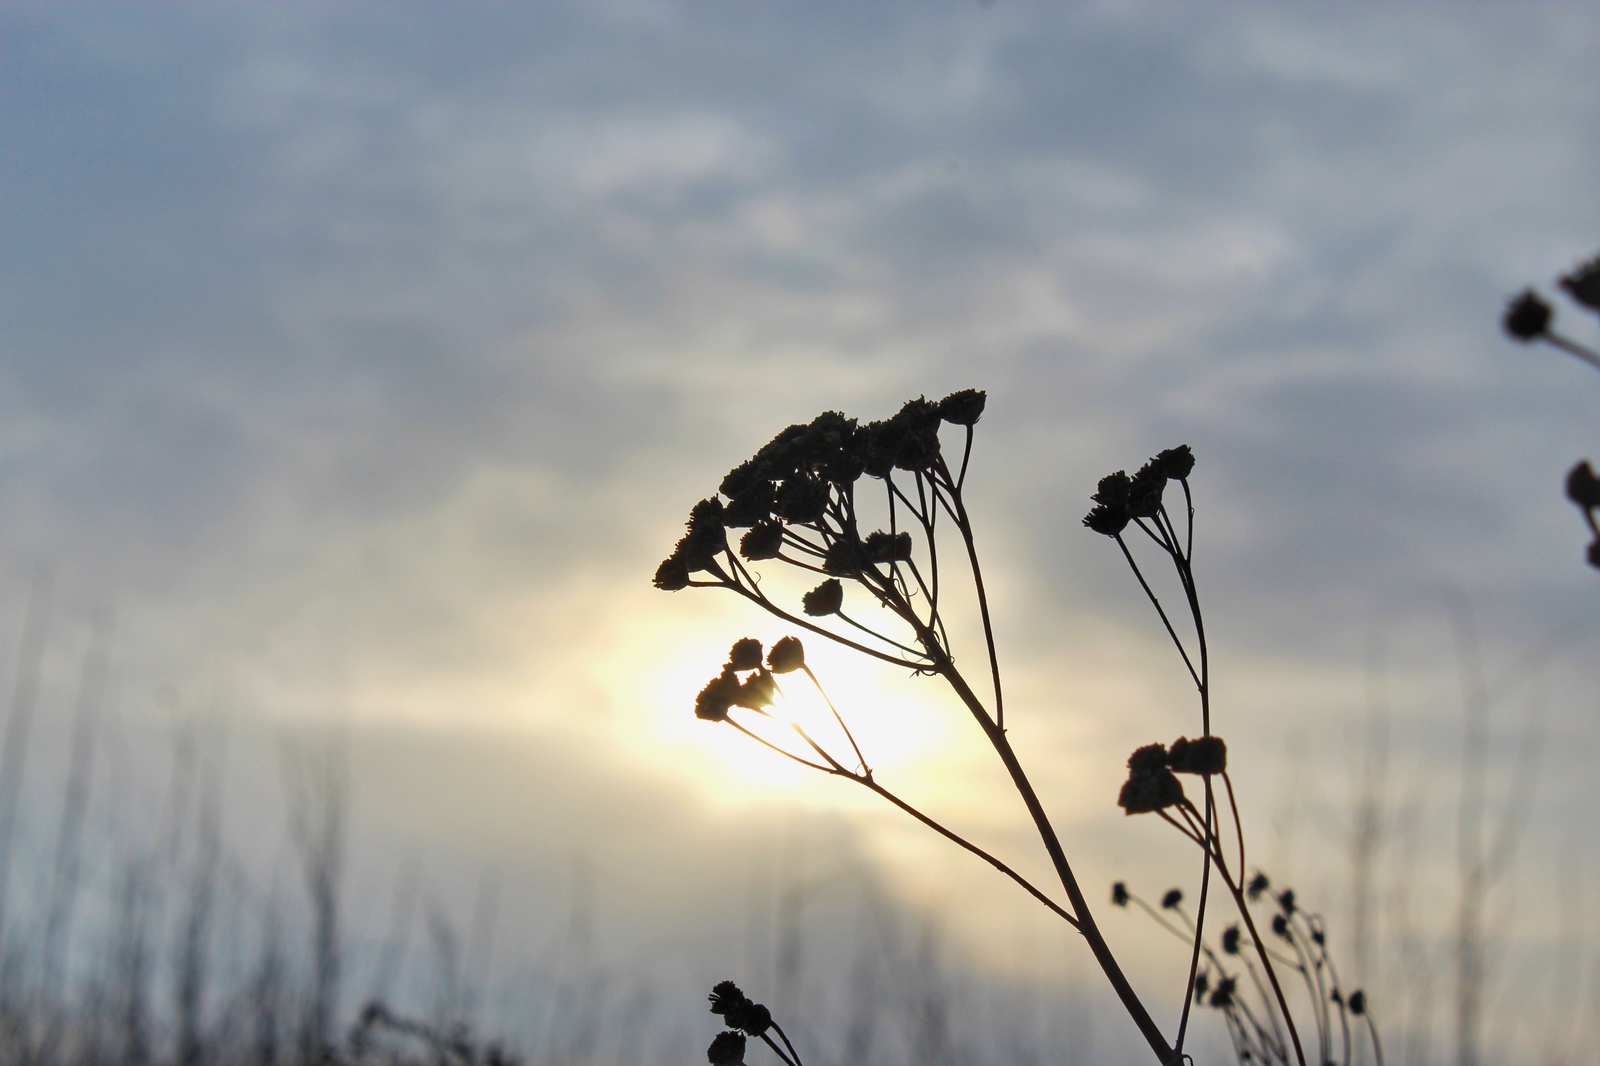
x=360, y=362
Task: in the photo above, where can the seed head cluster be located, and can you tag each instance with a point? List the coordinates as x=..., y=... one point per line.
x=1119, y=498
x=1152, y=783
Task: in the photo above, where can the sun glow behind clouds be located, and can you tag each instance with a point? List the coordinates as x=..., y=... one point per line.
x=901, y=725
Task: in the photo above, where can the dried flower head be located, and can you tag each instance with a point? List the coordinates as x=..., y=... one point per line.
x=726, y=996
x=1583, y=488
x=1148, y=759
x=915, y=435
x=802, y=499
x=882, y=547
x=1286, y=901
x=1257, y=886
x=1113, y=489
x=1527, y=317
x=727, y=1049
x=963, y=408
x=786, y=655
x=1280, y=926
x=719, y=696
x=1119, y=894
x=672, y=575
x=1222, y=998
x=1172, y=900
x=1143, y=793
x=757, y=692
x=1175, y=463
x=1583, y=284
x=1202, y=755
x=1357, y=1002
x=752, y=1018
x=1202, y=985
x=1107, y=519
x=745, y=654
x=824, y=600
x=764, y=541
x=1144, y=490
x=1230, y=940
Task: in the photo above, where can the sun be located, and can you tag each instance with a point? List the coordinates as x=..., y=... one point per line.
x=899, y=722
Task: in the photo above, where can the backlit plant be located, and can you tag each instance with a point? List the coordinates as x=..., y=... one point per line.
x=874, y=515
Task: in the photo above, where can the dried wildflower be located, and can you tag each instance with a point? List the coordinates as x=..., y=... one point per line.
x=1357, y=1002
x=916, y=434
x=745, y=479
x=1148, y=759
x=963, y=408
x=1527, y=317
x=1119, y=894
x=719, y=696
x=1583, y=488
x=843, y=558
x=1583, y=284
x=1144, y=490
x=727, y=1049
x=1222, y=998
x=1286, y=901
x=882, y=547
x=726, y=996
x=1172, y=900
x=1230, y=940
x=1107, y=519
x=1202, y=984
x=786, y=655
x=824, y=600
x=764, y=541
x=1258, y=885
x=700, y=546
x=873, y=448
x=752, y=1018
x=752, y=507
x=745, y=654
x=757, y=692
x=672, y=575
x=1318, y=937
x=1143, y=793
x=1202, y=755
x=1280, y=926
x=1113, y=489
x=802, y=499
x=1175, y=463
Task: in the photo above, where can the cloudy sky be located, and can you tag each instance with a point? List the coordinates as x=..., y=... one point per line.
x=363, y=361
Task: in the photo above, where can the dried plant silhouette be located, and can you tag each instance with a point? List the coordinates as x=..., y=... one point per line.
x=1530, y=318
x=876, y=511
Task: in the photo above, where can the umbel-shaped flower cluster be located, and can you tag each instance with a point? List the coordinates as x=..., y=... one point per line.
x=858, y=510
x=797, y=502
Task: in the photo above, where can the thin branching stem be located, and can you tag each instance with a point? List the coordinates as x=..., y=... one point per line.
x=1155, y=602
x=860, y=758
x=785, y=1037
x=1572, y=347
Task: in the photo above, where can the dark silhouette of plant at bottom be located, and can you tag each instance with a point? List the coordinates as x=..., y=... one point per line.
x=1231, y=981
x=801, y=503
x=1530, y=318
